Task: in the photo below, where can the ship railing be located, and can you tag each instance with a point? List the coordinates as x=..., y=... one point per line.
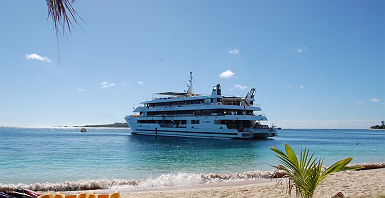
x=189, y=115
x=165, y=98
x=200, y=104
x=177, y=115
x=168, y=106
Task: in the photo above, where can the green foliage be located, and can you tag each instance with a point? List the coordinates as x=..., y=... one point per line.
x=382, y=126
x=307, y=172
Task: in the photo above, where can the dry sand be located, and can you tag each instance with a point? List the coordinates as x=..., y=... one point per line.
x=367, y=183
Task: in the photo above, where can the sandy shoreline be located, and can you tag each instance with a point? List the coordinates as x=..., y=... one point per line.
x=366, y=183
x=363, y=183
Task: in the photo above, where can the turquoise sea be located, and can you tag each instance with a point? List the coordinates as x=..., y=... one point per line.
x=56, y=155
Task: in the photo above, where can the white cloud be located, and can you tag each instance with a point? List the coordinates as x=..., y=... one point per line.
x=241, y=87
x=234, y=51
x=34, y=56
x=289, y=86
x=360, y=102
x=375, y=100
x=140, y=82
x=301, y=86
x=106, y=85
x=302, y=49
x=226, y=74
x=80, y=90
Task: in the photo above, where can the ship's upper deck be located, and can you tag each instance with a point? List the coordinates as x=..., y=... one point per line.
x=188, y=101
x=197, y=107
x=178, y=99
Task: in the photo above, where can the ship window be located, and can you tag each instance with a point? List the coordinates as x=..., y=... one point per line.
x=146, y=121
x=194, y=121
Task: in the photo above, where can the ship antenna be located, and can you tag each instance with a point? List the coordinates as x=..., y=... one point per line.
x=190, y=86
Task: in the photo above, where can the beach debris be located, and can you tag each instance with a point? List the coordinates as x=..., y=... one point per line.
x=338, y=195
x=368, y=166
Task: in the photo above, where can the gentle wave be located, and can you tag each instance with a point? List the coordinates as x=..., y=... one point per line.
x=180, y=179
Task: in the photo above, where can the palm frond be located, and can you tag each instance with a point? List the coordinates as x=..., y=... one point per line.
x=62, y=14
x=338, y=166
x=307, y=172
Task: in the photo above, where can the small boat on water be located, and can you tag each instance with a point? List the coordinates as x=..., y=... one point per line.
x=83, y=130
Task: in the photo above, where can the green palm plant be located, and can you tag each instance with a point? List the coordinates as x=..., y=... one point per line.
x=306, y=173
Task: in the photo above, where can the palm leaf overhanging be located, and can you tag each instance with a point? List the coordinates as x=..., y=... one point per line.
x=307, y=172
x=62, y=14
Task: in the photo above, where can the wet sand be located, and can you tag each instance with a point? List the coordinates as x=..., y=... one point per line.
x=366, y=183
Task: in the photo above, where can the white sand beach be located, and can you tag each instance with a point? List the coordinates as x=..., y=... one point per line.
x=366, y=183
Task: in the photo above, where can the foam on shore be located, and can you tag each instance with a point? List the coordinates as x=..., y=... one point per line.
x=180, y=179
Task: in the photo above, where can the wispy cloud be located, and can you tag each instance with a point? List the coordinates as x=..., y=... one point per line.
x=301, y=86
x=360, y=102
x=34, y=56
x=226, y=74
x=234, y=51
x=140, y=82
x=375, y=100
x=289, y=86
x=241, y=87
x=302, y=49
x=80, y=90
x=106, y=85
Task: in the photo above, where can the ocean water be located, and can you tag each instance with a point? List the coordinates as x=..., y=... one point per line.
x=56, y=155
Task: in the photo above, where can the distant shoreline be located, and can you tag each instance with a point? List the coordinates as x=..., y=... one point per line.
x=114, y=125
x=106, y=126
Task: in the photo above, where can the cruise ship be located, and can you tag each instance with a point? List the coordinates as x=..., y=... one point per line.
x=192, y=115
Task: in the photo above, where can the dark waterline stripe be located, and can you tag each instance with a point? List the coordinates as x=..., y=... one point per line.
x=185, y=136
x=187, y=132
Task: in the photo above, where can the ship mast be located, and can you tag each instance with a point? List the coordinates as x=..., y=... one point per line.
x=190, y=86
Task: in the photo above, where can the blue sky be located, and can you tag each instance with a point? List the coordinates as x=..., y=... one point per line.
x=314, y=64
